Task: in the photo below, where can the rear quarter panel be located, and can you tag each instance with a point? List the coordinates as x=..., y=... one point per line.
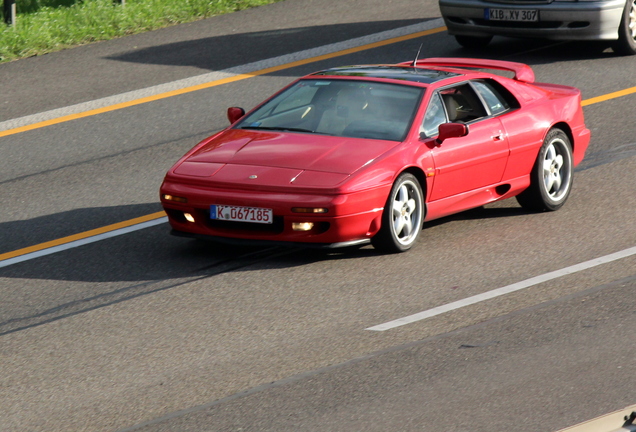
x=543, y=106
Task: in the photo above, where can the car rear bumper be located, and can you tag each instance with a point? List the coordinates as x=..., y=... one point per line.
x=558, y=20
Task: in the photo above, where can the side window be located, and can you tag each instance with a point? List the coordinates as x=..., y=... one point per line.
x=494, y=100
x=462, y=104
x=435, y=116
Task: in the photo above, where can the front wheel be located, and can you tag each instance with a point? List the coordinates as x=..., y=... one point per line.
x=626, y=43
x=551, y=176
x=402, y=217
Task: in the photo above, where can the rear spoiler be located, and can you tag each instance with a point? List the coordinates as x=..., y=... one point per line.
x=522, y=72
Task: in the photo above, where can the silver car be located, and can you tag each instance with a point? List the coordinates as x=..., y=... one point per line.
x=474, y=22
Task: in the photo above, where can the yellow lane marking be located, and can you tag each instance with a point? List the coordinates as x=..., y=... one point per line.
x=608, y=96
x=81, y=236
x=216, y=83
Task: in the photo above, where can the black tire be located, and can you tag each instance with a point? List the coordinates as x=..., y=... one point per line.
x=473, y=42
x=551, y=176
x=626, y=43
x=402, y=216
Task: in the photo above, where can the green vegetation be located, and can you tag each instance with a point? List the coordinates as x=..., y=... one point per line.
x=44, y=26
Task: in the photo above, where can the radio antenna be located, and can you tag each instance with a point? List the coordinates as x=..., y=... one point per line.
x=417, y=55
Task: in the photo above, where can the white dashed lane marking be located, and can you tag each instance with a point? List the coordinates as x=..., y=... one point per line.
x=504, y=290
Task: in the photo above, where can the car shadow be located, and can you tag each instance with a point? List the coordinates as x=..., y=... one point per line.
x=139, y=263
x=151, y=253
x=212, y=53
x=223, y=52
x=141, y=255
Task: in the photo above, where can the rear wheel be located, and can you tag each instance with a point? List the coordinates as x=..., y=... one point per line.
x=473, y=42
x=626, y=43
x=402, y=217
x=551, y=176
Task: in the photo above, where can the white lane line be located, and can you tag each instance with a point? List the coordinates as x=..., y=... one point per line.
x=82, y=242
x=504, y=290
x=218, y=75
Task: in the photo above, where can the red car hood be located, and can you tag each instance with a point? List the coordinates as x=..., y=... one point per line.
x=295, y=151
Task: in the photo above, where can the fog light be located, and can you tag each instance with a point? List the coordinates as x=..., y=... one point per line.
x=309, y=210
x=302, y=226
x=188, y=217
x=174, y=198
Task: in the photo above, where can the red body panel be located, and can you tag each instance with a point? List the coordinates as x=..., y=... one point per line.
x=351, y=177
x=479, y=159
x=290, y=150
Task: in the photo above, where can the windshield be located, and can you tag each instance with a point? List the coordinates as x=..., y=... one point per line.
x=359, y=109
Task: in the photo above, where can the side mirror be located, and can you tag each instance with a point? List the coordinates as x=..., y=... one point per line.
x=451, y=130
x=234, y=114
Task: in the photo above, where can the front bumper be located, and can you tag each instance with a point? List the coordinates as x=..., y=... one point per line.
x=252, y=242
x=352, y=218
x=558, y=20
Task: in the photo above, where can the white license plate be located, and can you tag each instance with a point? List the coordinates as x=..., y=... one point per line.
x=241, y=214
x=525, y=15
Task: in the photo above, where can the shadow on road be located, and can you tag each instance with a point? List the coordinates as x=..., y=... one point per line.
x=223, y=52
x=141, y=263
x=152, y=254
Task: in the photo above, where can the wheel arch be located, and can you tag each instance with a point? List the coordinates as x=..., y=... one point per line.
x=540, y=196
x=566, y=130
x=390, y=238
x=419, y=175
x=421, y=178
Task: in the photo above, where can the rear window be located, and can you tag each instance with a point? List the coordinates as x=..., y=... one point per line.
x=496, y=97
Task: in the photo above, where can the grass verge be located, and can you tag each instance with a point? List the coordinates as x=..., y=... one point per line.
x=57, y=24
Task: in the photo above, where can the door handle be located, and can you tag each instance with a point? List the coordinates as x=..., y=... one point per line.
x=498, y=137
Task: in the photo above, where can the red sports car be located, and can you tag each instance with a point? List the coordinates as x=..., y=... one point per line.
x=369, y=153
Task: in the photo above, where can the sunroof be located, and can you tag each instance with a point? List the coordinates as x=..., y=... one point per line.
x=403, y=73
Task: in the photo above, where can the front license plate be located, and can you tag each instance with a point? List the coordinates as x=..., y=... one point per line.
x=524, y=15
x=241, y=214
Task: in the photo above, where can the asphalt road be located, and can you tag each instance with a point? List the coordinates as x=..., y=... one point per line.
x=148, y=332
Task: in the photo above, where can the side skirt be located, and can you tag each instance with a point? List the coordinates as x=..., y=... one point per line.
x=476, y=198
